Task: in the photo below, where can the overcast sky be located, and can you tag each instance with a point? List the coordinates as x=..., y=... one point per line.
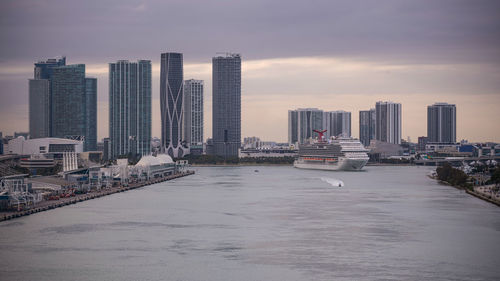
x=327, y=54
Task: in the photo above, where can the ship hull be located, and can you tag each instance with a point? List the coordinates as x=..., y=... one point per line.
x=344, y=164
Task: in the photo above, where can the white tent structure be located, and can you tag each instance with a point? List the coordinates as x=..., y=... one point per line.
x=154, y=166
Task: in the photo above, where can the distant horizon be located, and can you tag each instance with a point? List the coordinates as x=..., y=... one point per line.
x=337, y=55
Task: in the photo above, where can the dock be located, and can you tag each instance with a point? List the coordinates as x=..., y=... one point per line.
x=52, y=204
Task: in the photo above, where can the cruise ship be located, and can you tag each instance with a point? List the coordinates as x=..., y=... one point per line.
x=341, y=153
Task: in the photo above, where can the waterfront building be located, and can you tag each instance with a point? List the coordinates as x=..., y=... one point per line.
x=442, y=123
x=337, y=123
x=251, y=143
x=52, y=147
x=388, y=122
x=302, y=122
x=171, y=105
x=381, y=150
x=367, y=126
x=193, y=115
x=74, y=105
x=226, y=105
x=151, y=167
x=129, y=108
x=40, y=92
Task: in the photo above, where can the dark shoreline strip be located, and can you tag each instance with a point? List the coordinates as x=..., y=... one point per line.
x=84, y=197
x=483, y=197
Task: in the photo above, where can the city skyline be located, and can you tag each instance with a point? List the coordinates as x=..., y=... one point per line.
x=431, y=52
x=201, y=71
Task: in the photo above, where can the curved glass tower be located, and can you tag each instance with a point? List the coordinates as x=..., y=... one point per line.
x=171, y=102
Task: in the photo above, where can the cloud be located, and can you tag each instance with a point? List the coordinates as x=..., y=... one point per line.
x=328, y=54
x=416, y=31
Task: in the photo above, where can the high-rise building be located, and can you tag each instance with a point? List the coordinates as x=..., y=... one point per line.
x=302, y=122
x=106, y=150
x=129, y=108
x=388, y=122
x=226, y=105
x=40, y=93
x=422, y=142
x=293, y=127
x=171, y=102
x=367, y=121
x=90, y=143
x=337, y=123
x=74, y=105
x=442, y=123
x=39, y=108
x=193, y=115
x=44, y=69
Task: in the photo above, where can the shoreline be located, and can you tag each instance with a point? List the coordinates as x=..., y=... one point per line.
x=271, y=164
x=236, y=165
x=468, y=191
x=52, y=204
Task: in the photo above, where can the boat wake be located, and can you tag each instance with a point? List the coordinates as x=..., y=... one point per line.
x=333, y=182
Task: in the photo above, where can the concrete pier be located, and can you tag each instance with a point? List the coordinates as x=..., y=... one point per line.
x=52, y=204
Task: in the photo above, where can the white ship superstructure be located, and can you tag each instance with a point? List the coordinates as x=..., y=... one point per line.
x=337, y=154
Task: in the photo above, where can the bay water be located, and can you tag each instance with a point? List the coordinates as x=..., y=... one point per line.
x=263, y=223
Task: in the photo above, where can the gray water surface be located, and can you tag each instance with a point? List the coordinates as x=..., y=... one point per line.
x=280, y=223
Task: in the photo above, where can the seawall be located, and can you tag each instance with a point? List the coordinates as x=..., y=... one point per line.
x=52, y=204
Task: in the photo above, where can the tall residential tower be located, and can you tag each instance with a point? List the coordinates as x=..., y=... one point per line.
x=193, y=115
x=442, y=123
x=226, y=105
x=388, y=122
x=337, y=123
x=40, y=94
x=171, y=102
x=367, y=126
x=74, y=105
x=302, y=122
x=129, y=108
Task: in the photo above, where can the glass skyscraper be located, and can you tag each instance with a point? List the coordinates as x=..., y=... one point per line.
x=90, y=114
x=129, y=108
x=193, y=115
x=74, y=105
x=39, y=108
x=226, y=105
x=293, y=127
x=442, y=123
x=337, y=123
x=367, y=126
x=40, y=93
x=171, y=103
x=302, y=122
x=388, y=122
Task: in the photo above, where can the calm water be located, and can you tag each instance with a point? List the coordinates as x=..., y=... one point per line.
x=280, y=223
